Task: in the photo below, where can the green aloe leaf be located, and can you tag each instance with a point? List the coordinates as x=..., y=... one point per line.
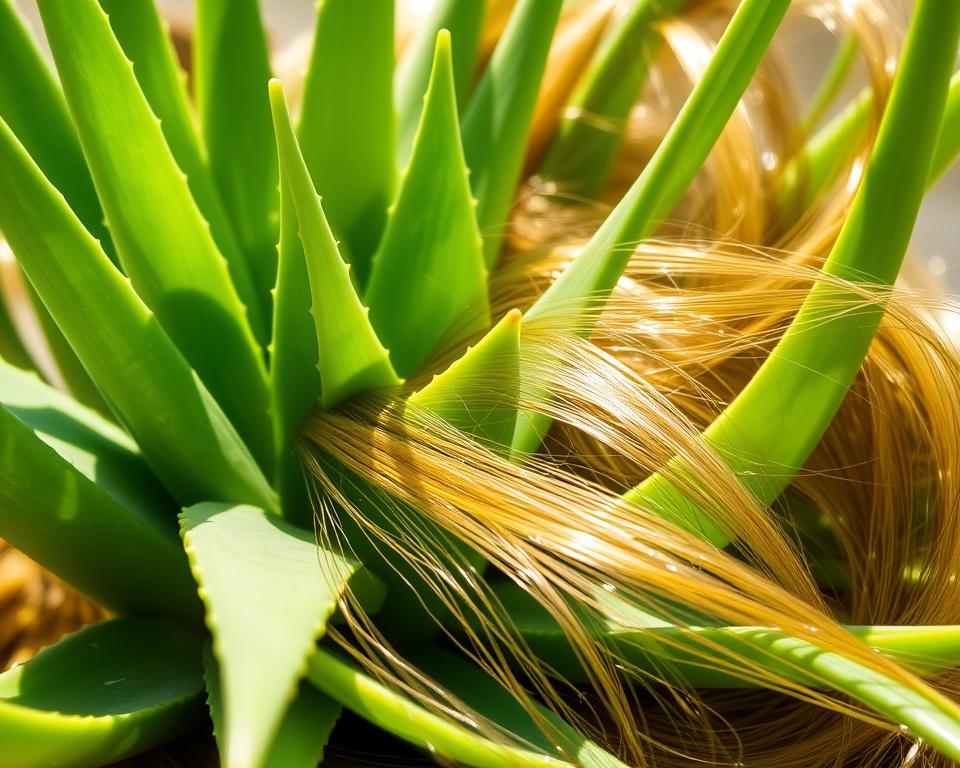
x=770, y=429
x=105, y=693
x=664, y=649
x=351, y=357
x=232, y=69
x=33, y=106
x=497, y=122
x=66, y=502
x=134, y=363
x=587, y=282
x=404, y=717
x=478, y=393
x=429, y=282
x=145, y=40
x=464, y=20
x=269, y=590
x=302, y=734
x=347, y=123
x=162, y=239
x=590, y=134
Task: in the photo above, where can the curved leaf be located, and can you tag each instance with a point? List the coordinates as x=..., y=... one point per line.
x=351, y=357
x=428, y=280
x=403, y=717
x=232, y=69
x=269, y=590
x=498, y=119
x=137, y=368
x=145, y=40
x=163, y=241
x=347, y=122
x=102, y=694
x=463, y=19
x=588, y=280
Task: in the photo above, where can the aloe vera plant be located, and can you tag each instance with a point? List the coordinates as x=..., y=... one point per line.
x=221, y=281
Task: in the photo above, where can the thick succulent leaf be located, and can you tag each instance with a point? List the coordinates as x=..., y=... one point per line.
x=305, y=729
x=105, y=693
x=294, y=375
x=770, y=429
x=464, y=20
x=590, y=133
x=588, y=280
x=666, y=650
x=351, y=357
x=124, y=557
x=478, y=393
x=162, y=239
x=347, y=122
x=429, y=281
x=145, y=40
x=33, y=106
x=498, y=119
x=232, y=68
x=406, y=718
x=137, y=368
x=269, y=590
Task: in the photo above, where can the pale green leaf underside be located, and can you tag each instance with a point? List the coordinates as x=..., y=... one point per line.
x=231, y=69
x=347, y=123
x=137, y=368
x=429, y=281
x=302, y=734
x=478, y=393
x=463, y=19
x=665, y=650
x=100, y=695
x=162, y=239
x=498, y=119
x=405, y=718
x=269, y=590
x=145, y=40
x=351, y=357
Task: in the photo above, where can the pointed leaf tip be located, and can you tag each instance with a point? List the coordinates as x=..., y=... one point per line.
x=429, y=281
x=478, y=393
x=351, y=358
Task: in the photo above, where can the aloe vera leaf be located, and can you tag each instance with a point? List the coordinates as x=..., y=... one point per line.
x=232, y=69
x=347, y=125
x=122, y=556
x=768, y=432
x=585, y=146
x=818, y=165
x=402, y=716
x=302, y=734
x=498, y=118
x=33, y=106
x=139, y=371
x=294, y=375
x=833, y=81
x=145, y=40
x=428, y=281
x=102, y=694
x=586, y=283
x=464, y=20
x=162, y=239
x=478, y=393
x=351, y=357
x=269, y=590
x=664, y=649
